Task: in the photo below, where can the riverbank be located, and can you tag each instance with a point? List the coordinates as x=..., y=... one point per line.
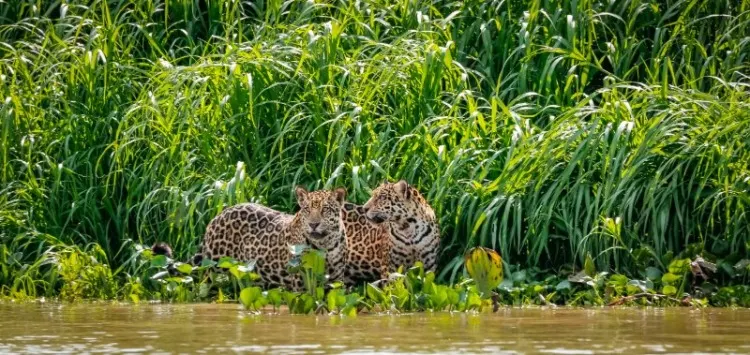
x=71, y=274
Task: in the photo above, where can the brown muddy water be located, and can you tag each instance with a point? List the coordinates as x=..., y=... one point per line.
x=210, y=328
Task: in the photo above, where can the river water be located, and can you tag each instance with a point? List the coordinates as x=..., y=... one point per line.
x=212, y=328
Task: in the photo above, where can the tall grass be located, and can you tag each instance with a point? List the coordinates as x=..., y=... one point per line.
x=547, y=130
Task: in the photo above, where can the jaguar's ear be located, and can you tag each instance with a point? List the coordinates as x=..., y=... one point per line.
x=402, y=188
x=301, y=195
x=340, y=194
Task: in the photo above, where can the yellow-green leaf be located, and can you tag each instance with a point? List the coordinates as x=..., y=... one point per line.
x=486, y=269
x=588, y=266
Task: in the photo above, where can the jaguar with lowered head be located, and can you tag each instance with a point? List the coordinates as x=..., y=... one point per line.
x=396, y=227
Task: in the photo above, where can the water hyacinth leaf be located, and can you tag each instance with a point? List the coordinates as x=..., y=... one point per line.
x=349, y=311
x=183, y=268
x=249, y=297
x=246, y=298
x=417, y=270
x=453, y=296
x=352, y=299
x=486, y=269
x=234, y=270
x=439, y=297
x=473, y=301
x=319, y=293
x=669, y=290
x=306, y=304
x=289, y=298
x=159, y=261
x=563, y=285
x=274, y=297
x=331, y=299
x=350, y=305
x=429, y=283
x=669, y=278
x=653, y=273
x=226, y=262
x=203, y=290
x=335, y=299
x=315, y=261
x=374, y=293
x=679, y=266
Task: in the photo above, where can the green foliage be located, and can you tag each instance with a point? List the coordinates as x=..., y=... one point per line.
x=253, y=298
x=547, y=131
x=611, y=135
x=310, y=265
x=83, y=276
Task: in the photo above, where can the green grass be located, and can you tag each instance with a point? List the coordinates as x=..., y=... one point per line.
x=546, y=130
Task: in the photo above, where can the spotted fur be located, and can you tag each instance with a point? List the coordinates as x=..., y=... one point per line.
x=367, y=246
x=399, y=228
x=254, y=232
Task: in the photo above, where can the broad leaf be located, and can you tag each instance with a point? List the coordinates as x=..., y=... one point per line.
x=670, y=278
x=653, y=273
x=249, y=296
x=315, y=261
x=563, y=285
x=159, y=261
x=184, y=268
x=486, y=269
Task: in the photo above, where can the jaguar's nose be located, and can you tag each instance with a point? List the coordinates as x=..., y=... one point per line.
x=314, y=226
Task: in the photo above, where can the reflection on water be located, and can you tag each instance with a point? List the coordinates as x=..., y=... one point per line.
x=80, y=328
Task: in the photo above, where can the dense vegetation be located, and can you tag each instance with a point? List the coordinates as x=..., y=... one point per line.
x=554, y=132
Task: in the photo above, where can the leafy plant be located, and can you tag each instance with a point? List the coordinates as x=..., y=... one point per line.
x=547, y=131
